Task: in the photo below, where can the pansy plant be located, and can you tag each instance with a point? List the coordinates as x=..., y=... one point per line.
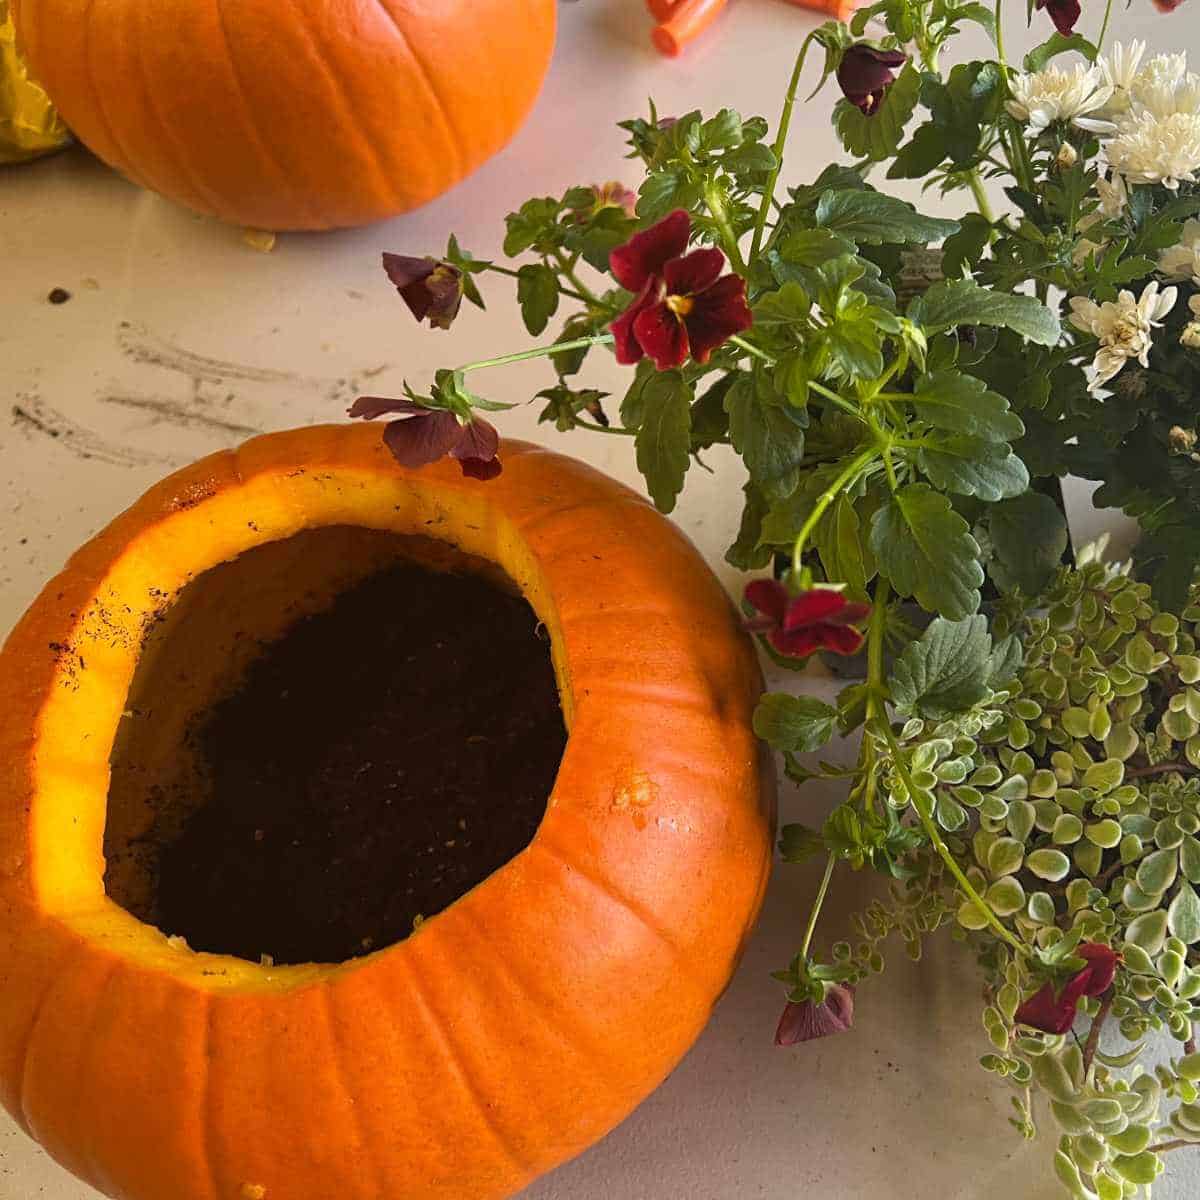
x=903, y=391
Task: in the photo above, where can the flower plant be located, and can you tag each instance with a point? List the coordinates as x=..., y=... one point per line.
x=904, y=392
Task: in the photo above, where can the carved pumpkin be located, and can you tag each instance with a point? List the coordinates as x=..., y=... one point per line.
x=292, y=114
x=509, y=1031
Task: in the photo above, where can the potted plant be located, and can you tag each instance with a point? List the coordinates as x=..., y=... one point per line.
x=905, y=392
x=305, y=890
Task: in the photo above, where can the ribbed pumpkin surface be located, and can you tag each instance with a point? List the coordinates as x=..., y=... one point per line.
x=291, y=114
x=511, y=1030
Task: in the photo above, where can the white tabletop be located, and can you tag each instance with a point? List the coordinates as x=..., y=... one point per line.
x=179, y=339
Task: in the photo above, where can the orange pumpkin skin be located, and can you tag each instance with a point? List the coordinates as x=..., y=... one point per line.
x=292, y=114
x=511, y=1030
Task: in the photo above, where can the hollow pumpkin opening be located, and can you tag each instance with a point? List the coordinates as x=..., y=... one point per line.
x=327, y=741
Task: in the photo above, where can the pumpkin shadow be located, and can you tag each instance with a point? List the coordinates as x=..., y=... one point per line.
x=896, y=1105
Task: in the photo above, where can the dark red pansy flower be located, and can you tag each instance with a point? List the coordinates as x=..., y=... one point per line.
x=433, y=290
x=865, y=74
x=641, y=260
x=1064, y=14
x=1053, y=1012
x=423, y=435
x=806, y=1021
x=796, y=626
x=1167, y=5
x=683, y=304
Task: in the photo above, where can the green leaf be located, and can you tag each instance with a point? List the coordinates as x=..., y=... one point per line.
x=965, y=248
x=839, y=543
x=1148, y=931
x=963, y=404
x=722, y=131
x=963, y=302
x=796, y=724
x=1028, y=535
x=664, y=437
x=875, y=217
x=747, y=554
x=926, y=549
x=534, y=224
x=970, y=466
x=710, y=422
x=921, y=155
x=633, y=406
x=798, y=843
x=1055, y=45
x=1183, y=917
x=946, y=671
x=537, y=294
x=1049, y=864
x=769, y=437
x=814, y=248
x=1138, y=1168
x=876, y=136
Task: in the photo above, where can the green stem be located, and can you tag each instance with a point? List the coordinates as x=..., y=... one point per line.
x=827, y=497
x=781, y=135
x=1104, y=27
x=752, y=350
x=981, y=199
x=832, y=396
x=876, y=640
x=830, y=863
x=715, y=203
x=939, y=845
x=568, y=270
x=596, y=427
x=599, y=339
x=1000, y=34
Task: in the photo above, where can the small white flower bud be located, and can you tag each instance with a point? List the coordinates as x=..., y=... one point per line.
x=1190, y=336
x=1067, y=156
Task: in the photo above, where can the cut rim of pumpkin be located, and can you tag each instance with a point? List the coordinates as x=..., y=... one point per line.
x=95, y=671
x=311, y=727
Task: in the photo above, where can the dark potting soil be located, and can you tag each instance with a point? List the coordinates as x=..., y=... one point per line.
x=379, y=760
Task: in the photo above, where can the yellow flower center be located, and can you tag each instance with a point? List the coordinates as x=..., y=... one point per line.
x=680, y=305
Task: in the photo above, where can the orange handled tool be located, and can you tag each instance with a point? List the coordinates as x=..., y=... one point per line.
x=682, y=21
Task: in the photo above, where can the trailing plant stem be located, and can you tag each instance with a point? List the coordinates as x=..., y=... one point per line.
x=781, y=135
x=715, y=204
x=818, y=901
x=599, y=339
x=1093, y=1041
x=940, y=846
x=827, y=497
x=981, y=198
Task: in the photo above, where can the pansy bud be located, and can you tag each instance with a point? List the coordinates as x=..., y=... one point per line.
x=865, y=74
x=432, y=289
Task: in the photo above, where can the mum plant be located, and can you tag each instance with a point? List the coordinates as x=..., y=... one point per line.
x=904, y=392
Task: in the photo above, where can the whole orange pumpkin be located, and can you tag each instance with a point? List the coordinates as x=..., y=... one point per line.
x=291, y=114
x=509, y=1031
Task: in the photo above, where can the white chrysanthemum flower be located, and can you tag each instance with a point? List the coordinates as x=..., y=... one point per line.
x=1183, y=261
x=1149, y=149
x=1124, y=328
x=1120, y=72
x=1166, y=98
x=1114, y=196
x=1054, y=94
x=1190, y=336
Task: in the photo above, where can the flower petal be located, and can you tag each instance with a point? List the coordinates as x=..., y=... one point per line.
x=409, y=275
x=768, y=596
x=865, y=73
x=419, y=440
x=370, y=407
x=717, y=314
x=799, y=644
x=695, y=272
x=477, y=439
x=1047, y=1012
x=1098, y=975
x=480, y=468
x=841, y=639
x=628, y=348
x=807, y=1021
x=1064, y=14
x=662, y=335
x=646, y=253
x=851, y=613
x=812, y=607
